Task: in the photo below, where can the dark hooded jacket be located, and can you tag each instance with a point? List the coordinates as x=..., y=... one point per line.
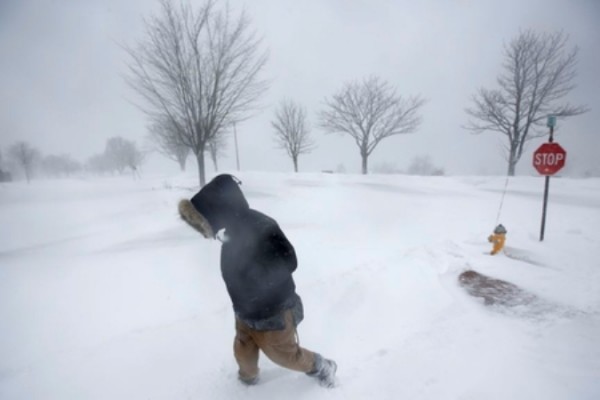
x=257, y=260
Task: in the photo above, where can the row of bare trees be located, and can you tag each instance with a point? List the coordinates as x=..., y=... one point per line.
x=368, y=111
x=538, y=72
x=198, y=74
x=22, y=157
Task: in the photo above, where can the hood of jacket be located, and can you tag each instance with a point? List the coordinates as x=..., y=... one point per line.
x=218, y=205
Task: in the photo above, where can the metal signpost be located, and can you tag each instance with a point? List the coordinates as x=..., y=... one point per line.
x=548, y=159
x=237, y=154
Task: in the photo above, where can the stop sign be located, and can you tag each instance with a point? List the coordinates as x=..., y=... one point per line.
x=549, y=158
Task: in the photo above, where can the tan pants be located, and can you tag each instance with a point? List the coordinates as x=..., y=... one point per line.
x=280, y=346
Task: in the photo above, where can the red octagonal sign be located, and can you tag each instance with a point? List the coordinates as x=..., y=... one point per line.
x=549, y=158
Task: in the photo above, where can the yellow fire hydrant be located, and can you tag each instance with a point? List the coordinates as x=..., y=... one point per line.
x=498, y=239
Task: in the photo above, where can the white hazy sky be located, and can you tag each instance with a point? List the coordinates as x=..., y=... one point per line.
x=61, y=73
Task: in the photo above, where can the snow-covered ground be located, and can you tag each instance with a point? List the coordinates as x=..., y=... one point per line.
x=106, y=294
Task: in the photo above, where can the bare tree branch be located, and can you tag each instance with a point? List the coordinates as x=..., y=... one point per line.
x=166, y=137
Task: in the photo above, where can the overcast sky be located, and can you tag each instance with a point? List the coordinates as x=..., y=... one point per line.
x=61, y=73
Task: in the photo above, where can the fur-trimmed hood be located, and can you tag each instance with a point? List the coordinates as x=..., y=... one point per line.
x=194, y=219
x=219, y=204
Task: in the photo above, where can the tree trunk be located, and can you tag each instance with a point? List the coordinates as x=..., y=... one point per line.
x=182, y=162
x=511, y=168
x=201, y=169
x=295, y=164
x=365, y=158
x=512, y=161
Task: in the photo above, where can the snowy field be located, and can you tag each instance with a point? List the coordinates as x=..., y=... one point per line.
x=106, y=294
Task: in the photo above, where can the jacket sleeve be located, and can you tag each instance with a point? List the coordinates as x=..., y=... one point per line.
x=281, y=250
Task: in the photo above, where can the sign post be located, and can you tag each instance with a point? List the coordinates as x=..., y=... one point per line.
x=548, y=159
x=237, y=155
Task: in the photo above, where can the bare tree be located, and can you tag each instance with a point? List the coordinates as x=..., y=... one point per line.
x=25, y=156
x=164, y=136
x=370, y=111
x=292, y=131
x=216, y=148
x=123, y=153
x=200, y=69
x=538, y=71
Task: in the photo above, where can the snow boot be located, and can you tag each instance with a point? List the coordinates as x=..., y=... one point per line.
x=324, y=371
x=248, y=381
